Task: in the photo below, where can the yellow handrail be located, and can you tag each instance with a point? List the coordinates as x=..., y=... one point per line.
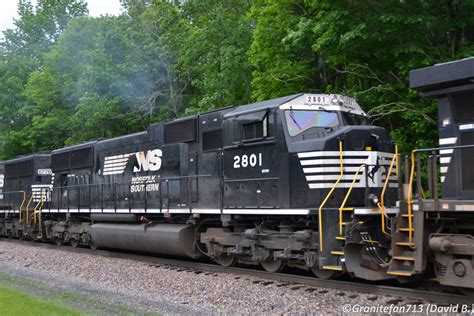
x=409, y=198
x=28, y=208
x=341, y=209
x=21, y=205
x=381, y=204
x=40, y=205
x=41, y=210
x=320, y=212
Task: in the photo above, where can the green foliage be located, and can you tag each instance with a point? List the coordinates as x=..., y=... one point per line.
x=67, y=78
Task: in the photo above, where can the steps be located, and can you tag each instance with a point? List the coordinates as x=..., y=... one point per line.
x=403, y=249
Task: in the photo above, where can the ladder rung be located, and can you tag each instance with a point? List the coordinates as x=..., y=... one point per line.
x=346, y=223
x=406, y=229
x=340, y=238
x=407, y=215
x=335, y=268
x=337, y=253
x=405, y=243
x=402, y=258
x=400, y=273
x=346, y=209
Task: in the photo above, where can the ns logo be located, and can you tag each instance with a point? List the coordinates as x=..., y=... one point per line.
x=149, y=161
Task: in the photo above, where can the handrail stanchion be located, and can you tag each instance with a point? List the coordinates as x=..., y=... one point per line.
x=115, y=197
x=21, y=206
x=409, y=201
x=28, y=209
x=130, y=197
x=168, y=195
x=40, y=211
x=434, y=168
x=320, y=211
x=343, y=205
x=146, y=198
x=381, y=204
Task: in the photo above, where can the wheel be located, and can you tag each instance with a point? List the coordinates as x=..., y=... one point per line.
x=325, y=274
x=10, y=235
x=226, y=260
x=74, y=243
x=21, y=236
x=273, y=266
x=58, y=241
x=92, y=245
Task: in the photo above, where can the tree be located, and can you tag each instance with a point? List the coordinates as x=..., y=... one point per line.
x=21, y=52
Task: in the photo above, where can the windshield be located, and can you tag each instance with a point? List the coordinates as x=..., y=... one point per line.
x=300, y=121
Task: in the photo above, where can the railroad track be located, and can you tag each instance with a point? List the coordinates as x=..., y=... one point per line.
x=312, y=283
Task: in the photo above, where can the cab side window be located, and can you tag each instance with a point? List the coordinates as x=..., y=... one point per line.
x=255, y=130
x=251, y=127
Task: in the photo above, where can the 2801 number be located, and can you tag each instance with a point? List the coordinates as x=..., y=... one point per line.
x=245, y=161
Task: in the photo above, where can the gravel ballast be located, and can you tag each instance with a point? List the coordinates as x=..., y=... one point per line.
x=120, y=286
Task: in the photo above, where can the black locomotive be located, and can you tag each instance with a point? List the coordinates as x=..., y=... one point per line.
x=301, y=180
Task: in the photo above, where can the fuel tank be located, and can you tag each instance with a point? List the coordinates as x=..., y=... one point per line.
x=168, y=239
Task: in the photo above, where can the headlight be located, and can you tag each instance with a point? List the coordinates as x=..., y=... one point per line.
x=373, y=198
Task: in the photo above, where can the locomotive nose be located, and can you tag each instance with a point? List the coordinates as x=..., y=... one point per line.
x=370, y=138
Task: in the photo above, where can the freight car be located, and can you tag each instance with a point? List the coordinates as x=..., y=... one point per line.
x=302, y=181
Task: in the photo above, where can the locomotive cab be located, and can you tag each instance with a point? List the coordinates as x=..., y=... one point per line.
x=330, y=140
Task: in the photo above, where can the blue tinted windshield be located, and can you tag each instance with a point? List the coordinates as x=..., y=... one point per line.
x=300, y=121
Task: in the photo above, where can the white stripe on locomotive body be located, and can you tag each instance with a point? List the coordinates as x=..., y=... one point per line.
x=448, y=141
x=118, y=157
x=446, y=154
x=39, y=190
x=239, y=211
x=446, y=151
x=322, y=168
x=445, y=160
x=465, y=127
x=116, y=164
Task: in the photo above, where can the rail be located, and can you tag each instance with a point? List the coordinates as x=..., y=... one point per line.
x=343, y=208
x=381, y=204
x=320, y=211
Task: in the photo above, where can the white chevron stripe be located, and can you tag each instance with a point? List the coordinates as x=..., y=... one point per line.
x=123, y=156
x=448, y=141
x=445, y=160
x=333, y=153
x=329, y=169
x=446, y=151
x=329, y=178
x=332, y=161
x=107, y=173
x=112, y=165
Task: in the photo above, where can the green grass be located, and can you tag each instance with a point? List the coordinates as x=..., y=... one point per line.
x=13, y=302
